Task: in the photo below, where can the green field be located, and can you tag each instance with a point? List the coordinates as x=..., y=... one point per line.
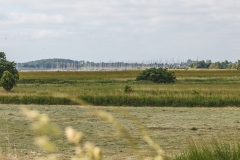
x=166, y=110
x=207, y=88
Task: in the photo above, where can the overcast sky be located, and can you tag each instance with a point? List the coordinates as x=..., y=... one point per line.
x=120, y=30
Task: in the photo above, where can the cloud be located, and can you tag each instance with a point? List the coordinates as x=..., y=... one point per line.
x=156, y=23
x=51, y=34
x=31, y=19
x=135, y=14
x=2, y=14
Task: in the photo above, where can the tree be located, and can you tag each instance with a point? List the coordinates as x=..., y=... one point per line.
x=159, y=75
x=201, y=64
x=2, y=56
x=6, y=65
x=7, y=81
x=238, y=65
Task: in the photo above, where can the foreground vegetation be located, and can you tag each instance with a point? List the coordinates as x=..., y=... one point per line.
x=214, y=151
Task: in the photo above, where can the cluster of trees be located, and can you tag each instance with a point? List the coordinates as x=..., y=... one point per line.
x=52, y=63
x=8, y=73
x=214, y=65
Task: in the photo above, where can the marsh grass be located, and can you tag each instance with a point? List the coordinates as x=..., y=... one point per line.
x=37, y=99
x=172, y=101
x=210, y=88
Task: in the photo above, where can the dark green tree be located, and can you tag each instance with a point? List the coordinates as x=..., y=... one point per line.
x=201, y=64
x=7, y=81
x=2, y=56
x=6, y=65
x=155, y=75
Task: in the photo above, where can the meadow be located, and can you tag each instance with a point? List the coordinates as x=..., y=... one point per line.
x=208, y=88
x=201, y=107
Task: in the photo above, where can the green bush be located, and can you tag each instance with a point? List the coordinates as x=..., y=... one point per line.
x=128, y=89
x=160, y=75
x=7, y=81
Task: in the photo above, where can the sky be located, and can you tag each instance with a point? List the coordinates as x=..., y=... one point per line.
x=120, y=30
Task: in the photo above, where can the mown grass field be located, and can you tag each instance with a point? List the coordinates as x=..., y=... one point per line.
x=171, y=128
x=202, y=105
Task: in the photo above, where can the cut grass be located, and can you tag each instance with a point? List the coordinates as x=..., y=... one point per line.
x=171, y=128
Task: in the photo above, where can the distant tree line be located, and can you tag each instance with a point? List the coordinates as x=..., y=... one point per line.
x=52, y=63
x=215, y=65
x=67, y=64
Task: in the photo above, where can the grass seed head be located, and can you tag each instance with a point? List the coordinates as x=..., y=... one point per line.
x=73, y=136
x=50, y=157
x=78, y=151
x=44, y=118
x=31, y=114
x=97, y=153
x=45, y=143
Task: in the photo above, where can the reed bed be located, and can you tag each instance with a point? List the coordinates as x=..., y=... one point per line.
x=171, y=101
x=41, y=100
x=211, y=151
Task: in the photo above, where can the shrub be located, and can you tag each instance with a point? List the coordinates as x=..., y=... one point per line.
x=7, y=81
x=128, y=89
x=160, y=75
